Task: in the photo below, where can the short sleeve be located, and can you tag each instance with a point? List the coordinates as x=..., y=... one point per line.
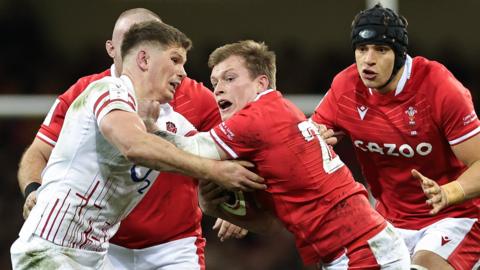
x=456, y=112
x=325, y=111
x=53, y=122
x=107, y=97
x=241, y=135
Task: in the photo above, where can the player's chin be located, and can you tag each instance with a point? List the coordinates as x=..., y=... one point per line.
x=166, y=97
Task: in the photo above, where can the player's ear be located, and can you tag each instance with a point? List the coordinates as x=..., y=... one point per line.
x=110, y=49
x=262, y=83
x=143, y=59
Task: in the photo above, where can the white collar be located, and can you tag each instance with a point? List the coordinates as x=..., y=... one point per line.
x=263, y=93
x=127, y=82
x=407, y=72
x=113, y=72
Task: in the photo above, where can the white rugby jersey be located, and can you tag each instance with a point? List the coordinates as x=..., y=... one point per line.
x=88, y=186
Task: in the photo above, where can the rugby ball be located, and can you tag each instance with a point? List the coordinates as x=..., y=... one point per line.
x=239, y=203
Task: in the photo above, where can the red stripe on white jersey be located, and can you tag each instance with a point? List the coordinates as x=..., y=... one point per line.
x=46, y=139
x=48, y=218
x=58, y=212
x=99, y=100
x=61, y=221
x=105, y=104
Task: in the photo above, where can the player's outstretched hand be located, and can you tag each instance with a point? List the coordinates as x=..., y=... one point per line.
x=30, y=202
x=227, y=230
x=326, y=134
x=234, y=175
x=210, y=196
x=149, y=111
x=436, y=196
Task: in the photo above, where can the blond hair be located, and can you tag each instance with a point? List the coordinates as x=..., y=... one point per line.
x=259, y=59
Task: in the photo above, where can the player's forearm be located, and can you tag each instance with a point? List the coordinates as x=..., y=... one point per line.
x=31, y=166
x=201, y=144
x=470, y=181
x=156, y=153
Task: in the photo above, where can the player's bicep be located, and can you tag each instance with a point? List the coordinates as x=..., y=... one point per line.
x=467, y=151
x=121, y=128
x=43, y=149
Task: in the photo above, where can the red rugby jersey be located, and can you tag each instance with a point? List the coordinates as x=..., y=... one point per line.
x=413, y=127
x=305, y=178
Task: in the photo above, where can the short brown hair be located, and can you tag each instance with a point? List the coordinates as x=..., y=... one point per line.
x=154, y=32
x=259, y=60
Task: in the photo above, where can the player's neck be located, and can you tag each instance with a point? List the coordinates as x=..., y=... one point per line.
x=391, y=86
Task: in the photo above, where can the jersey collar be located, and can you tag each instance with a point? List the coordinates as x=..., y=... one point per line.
x=263, y=93
x=128, y=83
x=407, y=71
x=113, y=72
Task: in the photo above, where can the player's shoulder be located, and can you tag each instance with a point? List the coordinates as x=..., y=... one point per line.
x=430, y=68
x=438, y=79
x=87, y=80
x=76, y=89
x=345, y=81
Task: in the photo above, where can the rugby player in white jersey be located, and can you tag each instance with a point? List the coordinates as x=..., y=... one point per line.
x=90, y=182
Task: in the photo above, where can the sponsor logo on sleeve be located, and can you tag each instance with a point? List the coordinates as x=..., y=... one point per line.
x=225, y=130
x=469, y=118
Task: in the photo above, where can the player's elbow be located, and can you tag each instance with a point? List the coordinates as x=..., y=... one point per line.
x=134, y=152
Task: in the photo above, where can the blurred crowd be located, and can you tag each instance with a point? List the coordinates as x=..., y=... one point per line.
x=30, y=65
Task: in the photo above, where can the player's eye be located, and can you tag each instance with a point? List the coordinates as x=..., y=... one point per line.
x=361, y=48
x=382, y=49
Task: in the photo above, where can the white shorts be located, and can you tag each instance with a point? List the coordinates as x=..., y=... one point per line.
x=385, y=250
x=457, y=240
x=174, y=255
x=37, y=253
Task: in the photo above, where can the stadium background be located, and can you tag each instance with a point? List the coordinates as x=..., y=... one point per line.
x=46, y=45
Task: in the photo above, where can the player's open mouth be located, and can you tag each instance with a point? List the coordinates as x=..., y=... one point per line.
x=369, y=74
x=224, y=104
x=174, y=85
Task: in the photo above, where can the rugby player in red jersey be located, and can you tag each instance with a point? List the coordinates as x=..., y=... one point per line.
x=416, y=137
x=310, y=191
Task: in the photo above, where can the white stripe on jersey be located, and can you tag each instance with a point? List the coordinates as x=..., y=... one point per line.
x=464, y=137
x=48, y=119
x=223, y=144
x=47, y=139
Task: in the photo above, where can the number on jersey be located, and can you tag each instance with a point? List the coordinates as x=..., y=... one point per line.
x=331, y=161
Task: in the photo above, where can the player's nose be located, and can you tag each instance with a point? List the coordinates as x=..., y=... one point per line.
x=218, y=90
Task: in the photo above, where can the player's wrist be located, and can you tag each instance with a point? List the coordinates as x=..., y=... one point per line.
x=454, y=192
x=31, y=187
